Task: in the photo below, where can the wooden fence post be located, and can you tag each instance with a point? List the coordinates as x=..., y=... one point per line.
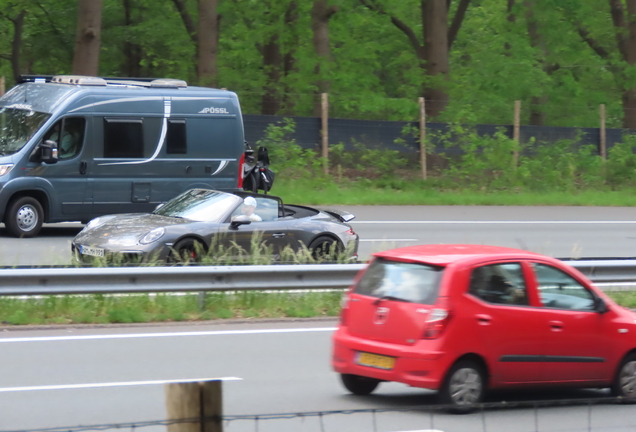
x=515, y=134
x=325, y=132
x=603, y=149
x=2, y=84
x=199, y=402
x=422, y=103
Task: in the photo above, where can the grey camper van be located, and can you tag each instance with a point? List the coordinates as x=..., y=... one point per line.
x=74, y=147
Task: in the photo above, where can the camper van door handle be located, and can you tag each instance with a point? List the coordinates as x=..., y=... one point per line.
x=83, y=166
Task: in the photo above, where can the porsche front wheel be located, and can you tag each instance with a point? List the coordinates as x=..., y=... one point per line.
x=186, y=251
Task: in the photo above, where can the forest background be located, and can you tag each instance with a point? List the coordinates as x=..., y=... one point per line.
x=470, y=59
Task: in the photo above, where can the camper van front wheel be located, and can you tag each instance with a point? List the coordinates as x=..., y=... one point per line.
x=24, y=217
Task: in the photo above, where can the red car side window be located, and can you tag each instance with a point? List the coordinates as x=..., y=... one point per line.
x=499, y=283
x=559, y=290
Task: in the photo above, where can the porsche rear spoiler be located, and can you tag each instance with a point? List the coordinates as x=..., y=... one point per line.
x=341, y=215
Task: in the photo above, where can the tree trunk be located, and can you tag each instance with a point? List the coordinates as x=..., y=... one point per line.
x=208, y=43
x=320, y=15
x=289, y=58
x=132, y=51
x=435, y=54
x=272, y=62
x=88, y=38
x=16, y=44
x=628, y=43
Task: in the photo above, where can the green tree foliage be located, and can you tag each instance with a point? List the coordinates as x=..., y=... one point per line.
x=559, y=57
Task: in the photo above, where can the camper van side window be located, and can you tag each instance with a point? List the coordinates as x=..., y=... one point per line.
x=123, y=138
x=176, y=142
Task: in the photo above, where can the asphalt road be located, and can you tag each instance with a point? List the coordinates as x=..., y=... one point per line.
x=557, y=231
x=283, y=367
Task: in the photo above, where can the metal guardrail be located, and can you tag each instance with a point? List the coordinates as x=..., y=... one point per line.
x=120, y=280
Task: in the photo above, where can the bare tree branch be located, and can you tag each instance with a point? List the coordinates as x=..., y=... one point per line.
x=410, y=34
x=592, y=43
x=458, y=19
x=188, y=22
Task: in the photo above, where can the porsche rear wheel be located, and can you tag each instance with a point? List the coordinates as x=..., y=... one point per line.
x=186, y=251
x=325, y=248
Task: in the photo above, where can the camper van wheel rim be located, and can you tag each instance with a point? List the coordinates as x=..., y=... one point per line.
x=24, y=217
x=27, y=217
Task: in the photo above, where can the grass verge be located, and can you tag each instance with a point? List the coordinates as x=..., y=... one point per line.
x=300, y=191
x=146, y=308
x=141, y=308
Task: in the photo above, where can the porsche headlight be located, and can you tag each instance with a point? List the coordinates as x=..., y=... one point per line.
x=153, y=236
x=5, y=168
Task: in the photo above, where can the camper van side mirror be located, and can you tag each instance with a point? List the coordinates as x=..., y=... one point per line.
x=48, y=152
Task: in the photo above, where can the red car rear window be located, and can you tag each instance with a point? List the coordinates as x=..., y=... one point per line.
x=415, y=283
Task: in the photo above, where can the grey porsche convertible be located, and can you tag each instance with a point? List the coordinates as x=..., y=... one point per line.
x=193, y=223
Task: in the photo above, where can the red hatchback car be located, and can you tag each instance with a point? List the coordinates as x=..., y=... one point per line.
x=462, y=319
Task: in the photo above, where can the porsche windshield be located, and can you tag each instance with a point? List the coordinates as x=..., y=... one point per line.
x=17, y=126
x=200, y=205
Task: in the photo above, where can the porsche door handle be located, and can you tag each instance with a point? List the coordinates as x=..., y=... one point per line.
x=278, y=235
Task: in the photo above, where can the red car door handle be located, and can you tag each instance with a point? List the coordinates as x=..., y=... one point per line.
x=483, y=319
x=556, y=325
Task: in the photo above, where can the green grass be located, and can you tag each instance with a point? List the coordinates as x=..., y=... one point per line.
x=144, y=308
x=141, y=308
x=304, y=191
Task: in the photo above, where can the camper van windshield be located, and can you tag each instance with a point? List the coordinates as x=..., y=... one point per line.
x=17, y=126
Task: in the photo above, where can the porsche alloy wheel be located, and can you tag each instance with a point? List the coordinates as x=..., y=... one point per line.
x=186, y=251
x=325, y=248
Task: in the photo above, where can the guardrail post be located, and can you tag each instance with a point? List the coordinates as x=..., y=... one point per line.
x=194, y=406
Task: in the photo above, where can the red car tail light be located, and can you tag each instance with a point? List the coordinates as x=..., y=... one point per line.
x=240, y=171
x=437, y=319
x=350, y=232
x=344, y=309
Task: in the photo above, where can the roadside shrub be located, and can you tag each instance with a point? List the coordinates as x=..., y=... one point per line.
x=484, y=161
x=286, y=155
x=621, y=163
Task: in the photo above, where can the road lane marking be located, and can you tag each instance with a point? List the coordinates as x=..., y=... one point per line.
x=112, y=384
x=492, y=222
x=395, y=240
x=171, y=334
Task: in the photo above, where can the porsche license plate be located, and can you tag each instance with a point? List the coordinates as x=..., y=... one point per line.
x=375, y=360
x=92, y=251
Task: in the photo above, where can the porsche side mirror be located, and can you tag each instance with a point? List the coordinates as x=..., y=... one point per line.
x=239, y=220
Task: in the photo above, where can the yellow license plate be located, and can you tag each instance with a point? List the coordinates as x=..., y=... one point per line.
x=375, y=360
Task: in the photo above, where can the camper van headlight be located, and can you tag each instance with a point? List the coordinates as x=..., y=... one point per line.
x=4, y=169
x=153, y=236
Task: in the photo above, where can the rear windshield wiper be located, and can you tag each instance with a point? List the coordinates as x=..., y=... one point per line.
x=388, y=297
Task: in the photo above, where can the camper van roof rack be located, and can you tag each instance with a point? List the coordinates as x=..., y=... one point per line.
x=78, y=80
x=102, y=81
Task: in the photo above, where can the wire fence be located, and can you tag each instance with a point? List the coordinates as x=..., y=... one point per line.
x=601, y=414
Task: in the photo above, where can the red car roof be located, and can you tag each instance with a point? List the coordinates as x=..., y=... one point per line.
x=442, y=254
